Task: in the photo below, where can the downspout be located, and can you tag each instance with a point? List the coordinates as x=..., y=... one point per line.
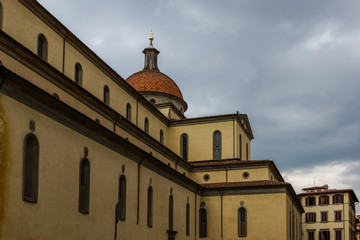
x=138, y=193
x=221, y=192
x=115, y=123
x=63, y=67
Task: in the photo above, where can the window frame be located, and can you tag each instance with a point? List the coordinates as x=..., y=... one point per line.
x=42, y=47
x=171, y=212
x=217, y=148
x=84, y=186
x=324, y=216
x=150, y=206
x=310, y=217
x=146, y=125
x=122, y=199
x=242, y=223
x=324, y=200
x=30, y=168
x=128, y=112
x=202, y=223
x=338, y=215
x=106, y=95
x=184, y=147
x=307, y=201
x=187, y=225
x=240, y=147
x=78, y=76
x=338, y=199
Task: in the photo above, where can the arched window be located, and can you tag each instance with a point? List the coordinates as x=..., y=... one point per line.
x=240, y=147
x=242, y=222
x=150, y=207
x=1, y=17
x=78, y=74
x=161, y=137
x=184, y=146
x=42, y=47
x=146, y=127
x=203, y=223
x=31, y=168
x=122, y=199
x=171, y=212
x=84, y=186
x=217, y=144
x=106, y=99
x=128, y=112
x=187, y=219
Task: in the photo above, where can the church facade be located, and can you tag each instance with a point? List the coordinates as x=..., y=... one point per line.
x=86, y=154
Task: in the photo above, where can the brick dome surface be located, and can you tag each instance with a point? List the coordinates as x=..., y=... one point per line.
x=154, y=81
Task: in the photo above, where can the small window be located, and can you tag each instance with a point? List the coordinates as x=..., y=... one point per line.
x=171, y=212
x=184, y=143
x=338, y=215
x=161, y=137
x=310, y=217
x=84, y=186
x=42, y=47
x=1, y=17
x=31, y=168
x=240, y=147
x=324, y=235
x=338, y=198
x=187, y=219
x=217, y=144
x=128, y=112
x=324, y=200
x=150, y=207
x=311, y=235
x=338, y=234
x=246, y=175
x=78, y=74
x=106, y=99
x=152, y=101
x=324, y=216
x=310, y=201
x=122, y=199
x=203, y=223
x=146, y=125
x=242, y=222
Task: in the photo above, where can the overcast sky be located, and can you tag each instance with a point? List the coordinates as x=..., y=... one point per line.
x=292, y=66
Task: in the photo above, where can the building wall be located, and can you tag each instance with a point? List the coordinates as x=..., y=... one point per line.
x=56, y=215
x=345, y=225
x=201, y=139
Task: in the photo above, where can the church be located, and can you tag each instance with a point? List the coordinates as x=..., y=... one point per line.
x=86, y=154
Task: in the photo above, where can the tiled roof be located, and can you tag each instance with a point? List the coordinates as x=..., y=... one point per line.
x=226, y=162
x=244, y=184
x=154, y=81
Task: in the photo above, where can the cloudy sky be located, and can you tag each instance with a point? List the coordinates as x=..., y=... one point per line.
x=292, y=66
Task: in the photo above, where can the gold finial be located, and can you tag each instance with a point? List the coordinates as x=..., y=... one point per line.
x=151, y=36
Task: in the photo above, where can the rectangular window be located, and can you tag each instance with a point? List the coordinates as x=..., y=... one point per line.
x=311, y=235
x=338, y=198
x=324, y=200
x=324, y=216
x=338, y=234
x=324, y=235
x=310, y=201
x=310, y=217
x=338, y=215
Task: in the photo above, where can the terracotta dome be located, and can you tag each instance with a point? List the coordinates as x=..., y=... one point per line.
x=154, y=81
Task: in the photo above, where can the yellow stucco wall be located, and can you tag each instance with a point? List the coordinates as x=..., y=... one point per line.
x=61, y=150
x=200, y=137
